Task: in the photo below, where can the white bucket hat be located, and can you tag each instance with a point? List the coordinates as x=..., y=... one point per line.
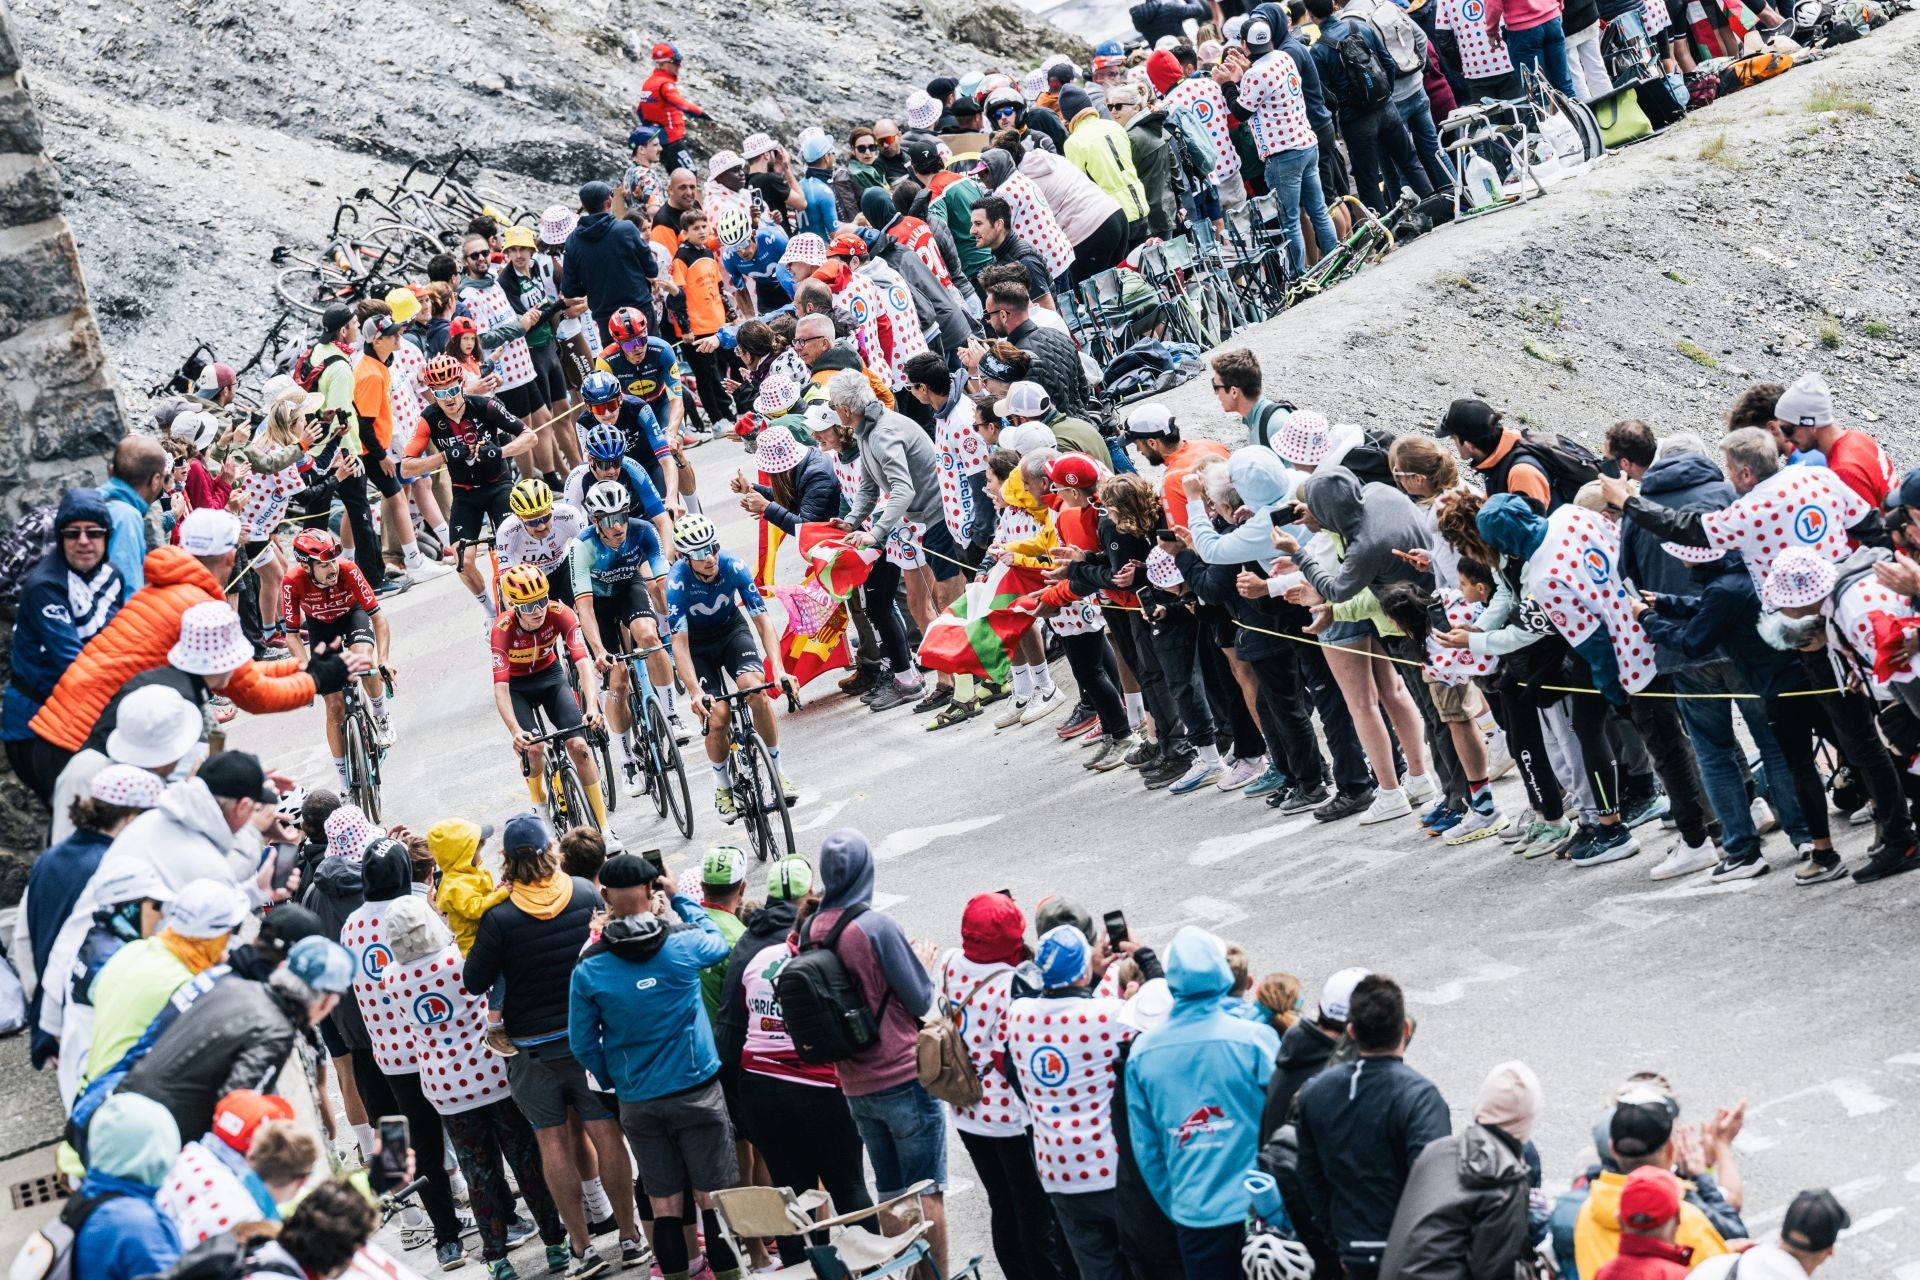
x=557, y=223
x=777, y=451
x=155, y=726
x=127, y=786
x=1800, y=576
x=211, y=642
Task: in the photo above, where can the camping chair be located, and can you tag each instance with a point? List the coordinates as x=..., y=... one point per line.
x=851, y=1251
x=1498, y=131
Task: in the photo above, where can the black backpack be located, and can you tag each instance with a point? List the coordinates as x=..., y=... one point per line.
x=1368, y=459
x=223, y=1257
x=1260, y=426
x=820, y=1003
x=1367, y=84
x=48, y=1252
x=1568, y=463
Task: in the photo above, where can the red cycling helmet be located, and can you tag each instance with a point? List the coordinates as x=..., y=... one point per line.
x=1074, y=471
x=666, y=51
x=628, y=324
x=315, y=546
x=846, y=244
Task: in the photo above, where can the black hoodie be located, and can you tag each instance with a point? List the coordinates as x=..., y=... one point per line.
x=768, y=927
x=610, y=262
x=336, y=892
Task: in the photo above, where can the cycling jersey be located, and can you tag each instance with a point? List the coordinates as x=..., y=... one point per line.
x=645, y=499
x=645, y=436
x=302, y=598
x=517, y=544
x=701, y=608
x=471, y=446
x=607, y=569
x=772, y=283
x=655, y=379
x=518, y=652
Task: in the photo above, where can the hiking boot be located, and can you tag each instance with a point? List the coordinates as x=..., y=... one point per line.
x=1300, y=797
x=1344, y=805
x=1746, y=868
x=1684, y=859
x=1822, y=867
x=1605, y=844
x=861, y=680
x=1887, y=862
x=938, y=696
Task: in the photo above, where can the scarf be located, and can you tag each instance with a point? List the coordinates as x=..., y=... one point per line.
x=198, y=954
x=545, y=899
x=92, y=601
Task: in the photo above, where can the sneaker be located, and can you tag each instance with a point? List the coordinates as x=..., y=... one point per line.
x=1079, y=720
x=558, y=1256
x=1499, y=762
x=1164, y=772
x=1386, y=806
x=502, y=1269
x=1012, y=715
x=1763, y=819
x=631, y=781
x=635, y=1253
x=415, y=1230
x=1241, y=773
x=1199, y=774
x=1747, y=868
x=392, y=586
x=681, y=733
x=1519, y=829
x=1271, y=782
x=881, y=683
x=383, y=732
x=1301, y=797
x=897, y=695
x=1478, y=824
x=1344, y=805
x=521, y=1230
x=451, y=1256
x=1112, y=753
x=1545, y=838
x=1817, y=871
x=1684, y=859
x=582, y=1265
x=425, y=571
x=1418, y=787
x=788, y=792
x=955, y=712
x=1636, y=813
x=1042, y=705
x=498, y=1042
x=1605, y=844
x=938, y=696
x=271, y=652
x=1443, y=817
x=694, y=437
x=724, y=806
x=1887, y=862
x=1142, y=754
x=855, y=682
x=1092, y=736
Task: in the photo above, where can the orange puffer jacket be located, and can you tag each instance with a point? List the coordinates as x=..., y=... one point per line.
x=138, y=639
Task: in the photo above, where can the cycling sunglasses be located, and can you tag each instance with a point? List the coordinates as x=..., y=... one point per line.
x=610, y=521
x=446, y=393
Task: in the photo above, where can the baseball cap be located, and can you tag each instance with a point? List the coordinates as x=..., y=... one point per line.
x=1063, y=956
x=1024, y=400
x=815, y=147
x=1150, y=420
x=209, y=531
x=595, y=196
x=642, y=135
x=239, y=1115
x=1148, y=1007
x=922, y=155
x=377, y=326
x=322, y=964
x=1650, y=1200
x=1027, y=437
x=1056, y=911
x=526, y=831
x=790, y=879
x=628, y=871
x=1470, y=420
x=1642, y=1122
x=1336, y=994
x=217, y=377
x=237, y=775
x=724, y=865
x=1908, y=494
x=130, y=882
x=1074, y=471
x=206, y=908
x=1814, y=1221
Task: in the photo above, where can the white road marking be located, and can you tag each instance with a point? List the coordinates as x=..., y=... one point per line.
x=1220, y=848
x=1622, y=909
x=887, y=901
x=1879, y=1217
x=914, y=839
x=820, y=817
x=1845, y=1192
x=1448, y=992
x=1904, y=1060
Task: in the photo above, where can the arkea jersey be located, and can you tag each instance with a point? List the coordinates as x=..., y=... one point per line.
x=1793, y=507
x=301, y=598
x=646, y=438
x=518, y=652
x=602, y=569
x=655, y=378
x=698, y=607
x=643, y=499
x=517, y=544
x=457, y=1072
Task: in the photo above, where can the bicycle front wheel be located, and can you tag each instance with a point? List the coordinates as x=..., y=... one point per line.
x=767, y=811
x=312, y=289
x=670, y=778
x=363, y=785
x=602, y=745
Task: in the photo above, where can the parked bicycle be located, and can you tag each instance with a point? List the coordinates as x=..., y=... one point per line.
x=1366, y=244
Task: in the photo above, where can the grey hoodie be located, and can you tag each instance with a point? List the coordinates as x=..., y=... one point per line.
x=1375, y=520
x=875, y=951
x=897, y=459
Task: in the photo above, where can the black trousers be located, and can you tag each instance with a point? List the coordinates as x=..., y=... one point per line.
x=387, y=1095
x=1229, y=701
x=1101, y=250
x=37, y=763
x=1798, y=724
x=1378, y=143
x=882, y=591
x=1291, y=745
x=1658, y=721
x=1850, y=725
x=1177, y=648
x=1097, y=675
x=1527, y=744
x=1134, y=640
x=807, y=1137
x=1444, y=761
x=1026, y=1239
x=707, y=370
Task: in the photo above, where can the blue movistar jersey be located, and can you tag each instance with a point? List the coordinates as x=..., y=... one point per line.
x=645, y=437
x=769, y=244
x=702, y=608
x=607, y=570
x=645, y=499
x=655, y=378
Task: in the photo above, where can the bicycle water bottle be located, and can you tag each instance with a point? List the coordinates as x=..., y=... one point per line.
x=1483, y=183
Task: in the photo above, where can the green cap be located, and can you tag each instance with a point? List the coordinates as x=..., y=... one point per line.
x=789, y=879
x=725, y=864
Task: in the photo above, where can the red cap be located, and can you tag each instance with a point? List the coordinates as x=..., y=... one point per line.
x=1163, y=70
x=240, y=1114
x=992, y=929
x=460, y=326
x=1650, y=1200
x=1074, y=471
x=846, y=244
x=665, y=52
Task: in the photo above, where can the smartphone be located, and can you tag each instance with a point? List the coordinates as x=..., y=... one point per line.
x=1437, y=619
x=1167, y=535
x=395, y=1142
x=1116, y=923
x=285, y=858
x=1281, y=516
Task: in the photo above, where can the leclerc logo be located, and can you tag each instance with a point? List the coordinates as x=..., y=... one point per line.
x=1049, y=1066
x=1201, y=1121
x=1598, y=567
x=374, y=961
x=431, y=1009
x=1810, y=524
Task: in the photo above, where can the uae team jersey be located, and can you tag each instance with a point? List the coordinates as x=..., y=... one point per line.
x=1793, y=507
x=517, y=544
x=457, y=1073
x=301, y=598
x=1575, y=576
x=986, y=990
x=364, y=935
x=1066, y=1051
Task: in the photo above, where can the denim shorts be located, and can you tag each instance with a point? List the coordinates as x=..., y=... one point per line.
x=905, y=1131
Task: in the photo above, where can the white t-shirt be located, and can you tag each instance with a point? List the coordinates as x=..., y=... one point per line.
x=1066, y=1052
x=986, y=988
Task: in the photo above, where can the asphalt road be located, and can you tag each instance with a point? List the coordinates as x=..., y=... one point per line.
x=1797, y=1000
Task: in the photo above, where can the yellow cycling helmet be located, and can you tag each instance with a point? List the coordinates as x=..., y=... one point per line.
x=531, y=499
x=523, y=584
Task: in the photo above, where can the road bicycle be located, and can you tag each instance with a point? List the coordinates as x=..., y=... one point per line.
x=567, y=804
x=1369, y=240
x=757, y=798
x=651, y=745
x=363, y=753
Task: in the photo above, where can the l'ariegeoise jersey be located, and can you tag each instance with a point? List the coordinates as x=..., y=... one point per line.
x=517, y=544
x=644, y=498
x=698, y=607
x=604, y=569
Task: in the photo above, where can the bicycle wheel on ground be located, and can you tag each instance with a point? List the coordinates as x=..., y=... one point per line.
x=363, y=785
x=600, y=742
x=312, y=289
x=671, y=775
x=767, y=815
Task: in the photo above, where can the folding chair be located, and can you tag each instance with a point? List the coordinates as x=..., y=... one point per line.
x=851, y=1251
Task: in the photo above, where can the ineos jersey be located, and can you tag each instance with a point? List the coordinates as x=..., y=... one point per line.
x=301, y=598
x=472, y=445
x=518, y=544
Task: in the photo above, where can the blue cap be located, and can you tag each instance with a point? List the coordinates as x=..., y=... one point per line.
x=322, y=964
x=1907, y=495
x=83, y=504
x=1109, y=49
x=815, y=147
x=525, y=831
x=1063, y=957
x=641, y=136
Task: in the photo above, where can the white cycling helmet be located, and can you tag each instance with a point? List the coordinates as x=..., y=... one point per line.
x=735, y=226
x=608, y=498
x=1267, y=1256
x=695, y=537
x=292, y=803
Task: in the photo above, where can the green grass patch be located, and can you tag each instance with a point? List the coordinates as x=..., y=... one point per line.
x=1696, y=353
x=1876, y=328
x=1675, y=276
x=1455, y=280
x=1828, y=96
x=1829, y=333
x=1547, y=355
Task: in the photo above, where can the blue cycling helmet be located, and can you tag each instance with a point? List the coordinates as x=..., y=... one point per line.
x=606, y=442
x=600, y=387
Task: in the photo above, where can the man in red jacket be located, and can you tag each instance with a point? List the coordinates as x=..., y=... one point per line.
x=661, y=103
x=1649, y=1223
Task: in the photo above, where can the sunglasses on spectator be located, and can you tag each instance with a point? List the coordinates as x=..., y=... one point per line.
x=88, y=532
x=886, y=141
x=478, y=253
x=864, y=147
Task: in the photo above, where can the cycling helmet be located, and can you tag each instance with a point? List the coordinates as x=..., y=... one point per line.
x=315, y=546
x=628, y=324
x=734, y=226
x=291, y=804
x=1266, y=1256
x=666, y=51
x=608, y=498
x=523, y=584
x=600, y=387
x=606, y=442
x=988, y=85
x=442, y=371
x=531, y=499
x=696, y=537
x=1004, y=97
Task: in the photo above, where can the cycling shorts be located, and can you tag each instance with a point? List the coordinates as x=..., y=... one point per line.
x=549, y=377
x=613, y=614
x=551, y=692
x=353, y=627
x=732, y=651
x=472, y=507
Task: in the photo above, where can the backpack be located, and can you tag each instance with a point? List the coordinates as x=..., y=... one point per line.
x=1368, y=459
x=1399, y=35
x=1365, y=83
x=23, y=546
x=48, y=1252
x=1192, y=139
x=223, y=1257
x=307, y=371
x=940, y=1051
x=1259, y=427
x=825, y=1014
x=1568, y=463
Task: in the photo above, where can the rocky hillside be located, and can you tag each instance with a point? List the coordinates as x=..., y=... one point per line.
x=194, y=135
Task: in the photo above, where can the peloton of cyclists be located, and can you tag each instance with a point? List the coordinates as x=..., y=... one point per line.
x=647, y=367
x=331, y=599
x=645, y=442
x=541, y=532
x=607, y=461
